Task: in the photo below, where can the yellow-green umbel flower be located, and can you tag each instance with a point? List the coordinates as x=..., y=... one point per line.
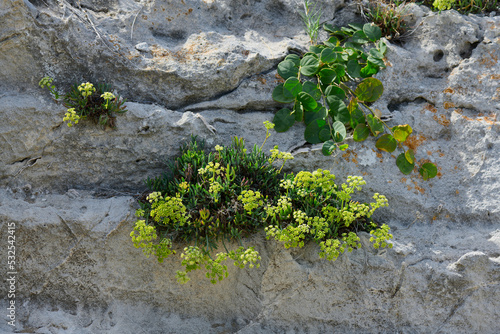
x=71, y=117
x=86, y=89
x=107, y=96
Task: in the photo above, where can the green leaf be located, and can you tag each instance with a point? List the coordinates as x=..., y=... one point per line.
x=312, y=131
x=328, y=56
x=410, y=156
x=298, y=111
x=357, y=115
x=356, y=26
x=376, y=53
x=386, y=143
x=369, y=90
x=338, y=109
x=404, y=166
x=308, y=102
x=354, y=68
x=339, y=131
x=401, y=132
x=283, y=120
x=309, y=65
x=361, y=132
x=376, y=62
x=340, y=69
x=287, y=69
x=332, y=42
x=382, y=47
x=293, y=85
x=282, y=95
x=324, y=134
x=294, y=58
x=369, y=70
x=329, y=147
x=359, y=37
x=316, y=49
x=319, y=113
x=335, y=91
x=312, y=89
x=428, y=171
x=375, y=124
x=372, y=31
x=327, y=76
x=343, y=147
x=331, y=29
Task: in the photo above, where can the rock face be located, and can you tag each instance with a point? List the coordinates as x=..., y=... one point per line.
x=208, y=68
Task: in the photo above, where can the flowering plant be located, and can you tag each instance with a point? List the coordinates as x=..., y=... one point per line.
x=213, y=197
x=96, y=103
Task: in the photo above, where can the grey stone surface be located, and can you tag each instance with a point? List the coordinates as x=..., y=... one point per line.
x=208, y=68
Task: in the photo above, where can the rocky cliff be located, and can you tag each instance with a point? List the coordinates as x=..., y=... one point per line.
x=209, y=68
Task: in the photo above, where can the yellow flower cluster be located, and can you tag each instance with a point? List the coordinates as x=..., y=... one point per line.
x=86, y=89
x=251, y=200
x=71, y=117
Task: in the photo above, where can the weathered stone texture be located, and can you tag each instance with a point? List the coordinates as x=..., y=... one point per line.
x=208, y=68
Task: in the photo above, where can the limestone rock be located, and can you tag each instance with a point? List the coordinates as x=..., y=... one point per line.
x=208, y=68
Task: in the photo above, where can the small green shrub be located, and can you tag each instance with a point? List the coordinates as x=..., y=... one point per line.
x=209, y=198
x=389, y=17
x=87, y=101
x=331, y=88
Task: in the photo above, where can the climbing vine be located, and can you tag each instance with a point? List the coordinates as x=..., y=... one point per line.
x=331, y=89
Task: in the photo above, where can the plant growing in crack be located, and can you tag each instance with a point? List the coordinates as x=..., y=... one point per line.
x=210, y=198
x=331, y=89
x=86, y=101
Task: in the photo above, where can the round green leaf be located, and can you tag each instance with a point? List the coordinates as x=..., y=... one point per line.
x=404, y=166
x=369, y=90
x=312, y=131
x=361, y=132
x=357, y=116
x=401, y=132
x=376, y=62
x=293, y=85
x=376, y=53
x=372, y=32
x=354, y=68
x=428, y=170
x=328, y=56
x=375, y=124
x=317, y=49
x=309, y=65
x=324, y=134
x=382, y=47
x=308, y=102
x=327, y=76
x=359, y=37
x=386, y=143
x=335, y=91
x=410, y=156
x=318, y=113
x=298, y=111
x=282, y=95
x=332, y=42
x=294, y=58
x=312, y=89
x=287, y=69
x=328, y=147
x=339, y=131
x=369, y=70
x=340, y=69
x=283, y=120
x=338, y=109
